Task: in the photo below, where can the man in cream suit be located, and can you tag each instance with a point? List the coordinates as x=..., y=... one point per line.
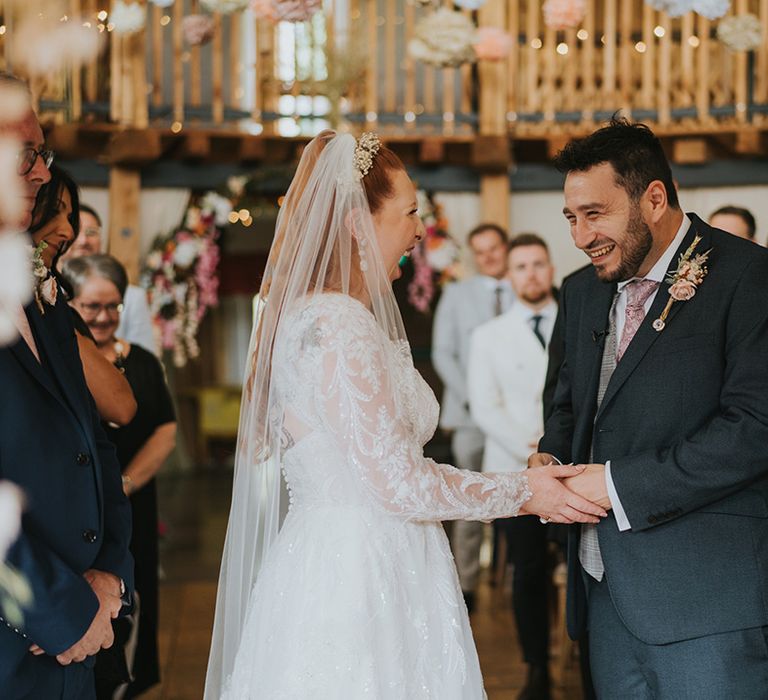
x=463, y=306
x=507, y=368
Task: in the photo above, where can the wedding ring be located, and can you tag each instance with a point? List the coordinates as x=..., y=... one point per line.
x=544, y=521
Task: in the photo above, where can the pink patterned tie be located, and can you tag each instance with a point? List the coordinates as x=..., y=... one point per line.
x=638, y=292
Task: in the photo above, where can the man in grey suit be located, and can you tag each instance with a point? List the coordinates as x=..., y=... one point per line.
x=464, y=306
x=663, y=386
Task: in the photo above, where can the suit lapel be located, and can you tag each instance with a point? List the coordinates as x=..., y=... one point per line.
x=646, y=336
x=24, y=355
x=70, y=392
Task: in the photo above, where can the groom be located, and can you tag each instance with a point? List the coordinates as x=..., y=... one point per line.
x=663, y=386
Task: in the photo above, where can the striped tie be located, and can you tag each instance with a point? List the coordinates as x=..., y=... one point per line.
x=589, y=547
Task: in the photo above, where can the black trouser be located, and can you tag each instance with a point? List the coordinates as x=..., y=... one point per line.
x=527, y=545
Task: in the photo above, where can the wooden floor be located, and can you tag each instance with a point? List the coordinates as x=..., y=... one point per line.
x=194, y=511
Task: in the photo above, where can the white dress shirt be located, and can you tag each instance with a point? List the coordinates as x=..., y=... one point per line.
x=507, y=295
x=657, y=273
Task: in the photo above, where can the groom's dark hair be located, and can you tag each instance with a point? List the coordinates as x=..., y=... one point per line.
x=632, y=149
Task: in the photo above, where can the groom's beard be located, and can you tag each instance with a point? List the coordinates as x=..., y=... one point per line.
x=634, y=249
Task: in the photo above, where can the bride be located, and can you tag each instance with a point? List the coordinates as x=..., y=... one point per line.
x=349, y=590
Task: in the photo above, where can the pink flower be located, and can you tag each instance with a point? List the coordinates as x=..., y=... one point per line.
x=682, y=290
x=49, y=290
x=286, y=10
x=564, y=14
x=493, y=44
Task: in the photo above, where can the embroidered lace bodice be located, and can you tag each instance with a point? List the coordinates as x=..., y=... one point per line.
x=357, y=415
x=358, y=596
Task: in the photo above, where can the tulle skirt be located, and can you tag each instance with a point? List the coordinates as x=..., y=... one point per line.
x=352, y=604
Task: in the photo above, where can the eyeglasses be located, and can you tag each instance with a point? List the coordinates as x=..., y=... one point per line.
x=91, y=232
x=28, y=157
x=92, y=310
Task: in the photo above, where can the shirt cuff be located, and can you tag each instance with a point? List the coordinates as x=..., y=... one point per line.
x=618, y=511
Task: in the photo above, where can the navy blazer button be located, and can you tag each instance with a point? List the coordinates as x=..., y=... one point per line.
x=83, y=459
x=90, y=536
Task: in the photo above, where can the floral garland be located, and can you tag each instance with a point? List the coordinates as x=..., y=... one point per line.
x=435, y=258
x=181, y=279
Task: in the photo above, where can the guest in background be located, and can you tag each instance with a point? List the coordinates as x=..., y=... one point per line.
x=136, y=318
x=99, y=283
x=736, y=220
x=507, y=368
x=55, y=221
x=73, y=545
x=463, y=306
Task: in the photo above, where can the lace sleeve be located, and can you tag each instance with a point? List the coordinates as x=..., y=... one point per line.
x=362, y=409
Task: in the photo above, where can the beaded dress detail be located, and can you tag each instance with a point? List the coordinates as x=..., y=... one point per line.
x=358, y=597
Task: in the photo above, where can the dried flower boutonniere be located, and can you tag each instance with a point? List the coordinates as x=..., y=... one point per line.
x=685, y=280
x=46, y=289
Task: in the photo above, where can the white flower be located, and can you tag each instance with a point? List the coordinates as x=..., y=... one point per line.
x=186, y=253
x=11, y=501
x=442, y=257
x=43, y=45
x=154, y=260
x=128, y=18
x=192, y=220
x=236, y=184
x=11, y=185
x=15, y=280
x=740, y=32
x=16, y=285
x=224, y=7
x=444, y=38
x=219, y=205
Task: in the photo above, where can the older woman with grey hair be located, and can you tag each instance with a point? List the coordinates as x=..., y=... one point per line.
x=99, y=283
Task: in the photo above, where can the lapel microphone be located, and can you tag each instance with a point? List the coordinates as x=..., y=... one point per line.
x=597, y=336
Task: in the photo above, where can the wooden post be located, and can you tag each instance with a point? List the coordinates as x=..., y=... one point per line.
x=124, y=233
x=494, y=187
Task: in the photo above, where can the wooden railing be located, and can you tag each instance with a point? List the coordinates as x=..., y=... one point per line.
x=260, y=77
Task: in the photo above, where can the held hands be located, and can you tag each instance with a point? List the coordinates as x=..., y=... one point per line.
x=99, y=634
x=552, y=501
x=590, y=484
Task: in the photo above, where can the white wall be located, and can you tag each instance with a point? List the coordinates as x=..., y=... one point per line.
x=541, y=213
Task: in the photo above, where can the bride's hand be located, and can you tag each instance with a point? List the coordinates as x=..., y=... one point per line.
x=553, y=502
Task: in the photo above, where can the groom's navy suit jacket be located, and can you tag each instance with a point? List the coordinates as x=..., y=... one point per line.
x=76, y=516
x=684, y=423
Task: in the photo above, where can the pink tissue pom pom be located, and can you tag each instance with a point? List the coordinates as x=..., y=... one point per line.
x=564, y=14
x=197, y=29
x=493, y=44
x=286, y=10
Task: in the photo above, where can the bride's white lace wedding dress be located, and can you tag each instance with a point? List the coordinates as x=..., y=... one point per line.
x=358, y=596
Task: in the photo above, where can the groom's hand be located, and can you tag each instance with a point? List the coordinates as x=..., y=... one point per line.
x=542, y=459
x=591, y=485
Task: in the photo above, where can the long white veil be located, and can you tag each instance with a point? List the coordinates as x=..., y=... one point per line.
x=324, y=242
